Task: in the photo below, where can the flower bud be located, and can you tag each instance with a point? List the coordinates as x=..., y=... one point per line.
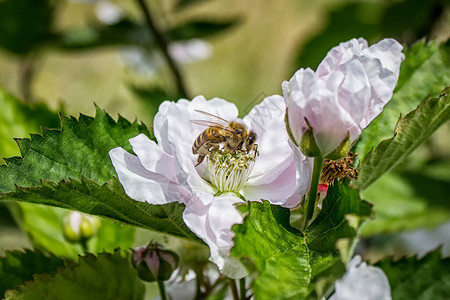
x=78, y=226
x=154, y=262
x=347, y=92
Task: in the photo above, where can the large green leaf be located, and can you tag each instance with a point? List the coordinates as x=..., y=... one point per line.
x=410, y=132
x=43, y=224
x=79, y=149
x=425, y=71
x=411, y=278
x=292, y=265
x=281, y=258
x=16, y=267
x=106, y=276
x=108, y=200
x=68, y=168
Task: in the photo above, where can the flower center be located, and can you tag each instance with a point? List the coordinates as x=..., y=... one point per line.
x=229, y=172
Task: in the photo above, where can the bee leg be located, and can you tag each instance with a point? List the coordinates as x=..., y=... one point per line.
x=254, y=148
x=202, y=152
x=200, y=160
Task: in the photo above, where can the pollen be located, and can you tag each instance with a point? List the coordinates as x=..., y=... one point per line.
x=229, y=172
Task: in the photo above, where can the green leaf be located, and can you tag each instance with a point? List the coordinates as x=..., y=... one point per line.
x=68, y=168
x=17, y=119
x=411, y=278
x=410, y=132
x=341, y=205
x=110, y=236
x=106, y=276
x=280, y=257
x=292, y=265
x=199, y=29
x=425, y=71
x=405, y=201
x=79, y=149
x=16, y=267
x=108, y=200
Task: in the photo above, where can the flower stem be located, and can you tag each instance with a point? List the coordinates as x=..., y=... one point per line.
x=199, y=281
x=234, y=290
x=163, y=45
x=242, y=288
x=162, y=290
x=310, y=204
x=83, y=243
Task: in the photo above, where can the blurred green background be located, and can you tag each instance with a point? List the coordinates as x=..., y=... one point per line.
x=67, y=55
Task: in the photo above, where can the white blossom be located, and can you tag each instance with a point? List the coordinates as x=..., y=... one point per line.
x=165, y=171
x=362, y=282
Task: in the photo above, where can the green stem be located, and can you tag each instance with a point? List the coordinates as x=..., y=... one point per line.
x=162, y=290
x=199, y=282
x=242, y=288
x=83, y=243
x=233, y=288
x=310, y=204
x=27, y=76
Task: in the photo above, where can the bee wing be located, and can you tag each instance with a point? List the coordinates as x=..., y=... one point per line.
x=213, y=124
x=225, y=122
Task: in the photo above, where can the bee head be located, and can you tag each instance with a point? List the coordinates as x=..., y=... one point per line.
x=251, y=139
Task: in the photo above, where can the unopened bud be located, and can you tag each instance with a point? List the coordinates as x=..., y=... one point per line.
x=78, y=226
x=154, y=262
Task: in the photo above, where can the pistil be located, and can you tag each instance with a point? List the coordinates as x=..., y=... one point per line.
x=228, y=171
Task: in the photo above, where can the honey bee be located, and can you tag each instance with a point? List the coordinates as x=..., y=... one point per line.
x=230, y=136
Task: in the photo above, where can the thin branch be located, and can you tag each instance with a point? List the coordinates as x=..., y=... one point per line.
x=26, y=78
x=163, y=45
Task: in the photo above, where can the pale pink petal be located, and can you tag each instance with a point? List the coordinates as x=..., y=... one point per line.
x=267, y=120
x=161, y=127
x=296, y=95
x=277, y=191
x=354, y=92
x=212, y=223
x=139, y=183
x=316, y=100
x=350, y=88
x=304, y=166
x=152, y=157
x=382, y=65
x=341, y=54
